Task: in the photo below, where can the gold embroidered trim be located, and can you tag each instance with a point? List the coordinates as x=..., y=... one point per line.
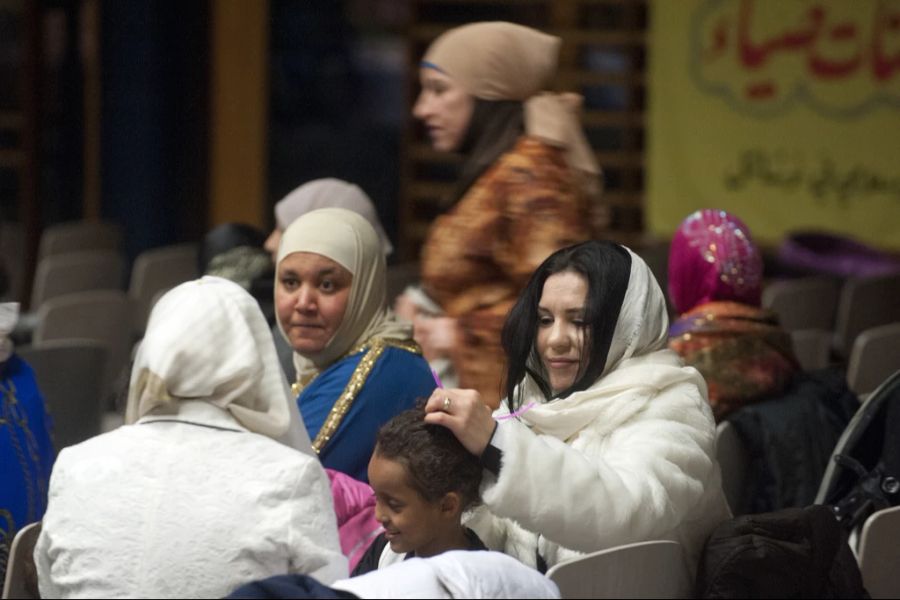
x=408, y=345
x=357, y=380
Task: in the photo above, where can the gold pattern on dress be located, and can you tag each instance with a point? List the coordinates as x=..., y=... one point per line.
x=354, y=386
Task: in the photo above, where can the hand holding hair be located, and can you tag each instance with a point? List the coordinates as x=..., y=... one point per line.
x=463, y=413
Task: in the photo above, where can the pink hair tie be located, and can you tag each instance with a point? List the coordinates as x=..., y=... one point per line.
x=516, y=413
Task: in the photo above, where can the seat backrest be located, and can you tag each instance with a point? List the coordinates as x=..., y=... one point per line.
x=879, y=553
x=655, y=569
x=69, y=374
x=76, y=272
x=103, y=315
x=159, y=269
x=79, y=236
x=805, y=303
x=875, y=355
x=866, y=302
x=733, y=459
x=20, y=567
x=812, y=347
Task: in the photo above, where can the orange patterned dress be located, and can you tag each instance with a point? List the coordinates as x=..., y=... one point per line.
x=480, y=254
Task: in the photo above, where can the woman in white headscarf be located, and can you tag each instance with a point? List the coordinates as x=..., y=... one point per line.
x=526, y=187
x=195, y=495
x=357, y=366
x=606, y=438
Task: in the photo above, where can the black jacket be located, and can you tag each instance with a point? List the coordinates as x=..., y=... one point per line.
x=792, y=553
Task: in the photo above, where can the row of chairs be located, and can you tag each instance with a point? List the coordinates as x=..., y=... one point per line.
x=654, y=569
x=826, y=304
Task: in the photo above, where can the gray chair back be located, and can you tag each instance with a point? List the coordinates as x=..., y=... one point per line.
x=69, y=375
x=866, y=302
x=80, y=236
x=879, y=553
x=20, y=567
x=812, y=347
x=655, y=569
x=159, y=269
x=875, y=356
x=104, y=316
x=806, y=303
x=76, y=272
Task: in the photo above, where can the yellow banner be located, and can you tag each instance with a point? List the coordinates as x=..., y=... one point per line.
x=786, y=113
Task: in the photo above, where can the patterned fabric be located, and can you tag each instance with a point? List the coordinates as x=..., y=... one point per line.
x=480, y=254
x=713, y=258
x=26, y=452
x=740, y=350
x=396, y=380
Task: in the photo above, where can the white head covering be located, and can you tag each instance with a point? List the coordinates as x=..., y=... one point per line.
x=638, y=365
x=329, y=193
x=9, y=315
x=643, y=324
x=349, y=240
x=208, y=340
x=453, y=574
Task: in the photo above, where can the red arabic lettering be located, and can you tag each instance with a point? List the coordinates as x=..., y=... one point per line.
x=884, y=67
x=754, y=56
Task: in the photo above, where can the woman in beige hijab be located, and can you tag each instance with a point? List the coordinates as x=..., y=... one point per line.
x=357, y=366
x=524, y=191
x=212, y=481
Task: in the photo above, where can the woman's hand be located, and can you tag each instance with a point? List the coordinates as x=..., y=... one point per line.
x=463, y=413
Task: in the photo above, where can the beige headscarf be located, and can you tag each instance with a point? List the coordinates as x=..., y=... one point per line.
x=504, y=61
x=348, y=239
x=334, y=193
x=208, y=340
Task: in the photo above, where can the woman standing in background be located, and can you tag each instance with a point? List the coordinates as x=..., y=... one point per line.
x=524, y=190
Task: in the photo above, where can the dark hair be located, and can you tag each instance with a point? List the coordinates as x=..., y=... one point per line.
x=225, y=237
x=494, y=128
x=436, y=462
x=606, y=267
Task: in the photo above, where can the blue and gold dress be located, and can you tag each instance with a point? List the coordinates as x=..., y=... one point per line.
x=26, y=452
x=344, y=405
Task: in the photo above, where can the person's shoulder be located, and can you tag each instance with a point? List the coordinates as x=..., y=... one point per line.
x=404, y=364
x=531, y=153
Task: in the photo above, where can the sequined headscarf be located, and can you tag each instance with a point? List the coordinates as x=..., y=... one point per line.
x=713, y=257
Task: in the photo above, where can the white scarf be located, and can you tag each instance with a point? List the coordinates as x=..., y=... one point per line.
x=627, y=382
x=208, y=340
x=349, y=240
x=9, y=315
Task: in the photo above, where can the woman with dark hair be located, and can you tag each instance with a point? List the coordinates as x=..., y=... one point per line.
x=606, y=438
x=527, y=182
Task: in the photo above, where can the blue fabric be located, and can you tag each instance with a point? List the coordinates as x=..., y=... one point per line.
x=26, y=451
x=397, y=380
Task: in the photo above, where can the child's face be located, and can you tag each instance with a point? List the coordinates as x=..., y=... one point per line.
x=411, y=523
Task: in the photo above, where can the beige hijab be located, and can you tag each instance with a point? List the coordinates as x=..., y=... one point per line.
x=348, y=239
x=504, y=61
x=207, y=340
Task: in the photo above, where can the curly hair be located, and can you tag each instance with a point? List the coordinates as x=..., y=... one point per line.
x=436, y=462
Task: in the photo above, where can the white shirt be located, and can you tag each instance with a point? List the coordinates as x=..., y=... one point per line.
x=184, y=509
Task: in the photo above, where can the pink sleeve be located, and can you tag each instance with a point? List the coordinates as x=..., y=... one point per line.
x=354, y=505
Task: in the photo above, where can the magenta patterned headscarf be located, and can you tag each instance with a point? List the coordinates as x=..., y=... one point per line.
x=713, y=257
